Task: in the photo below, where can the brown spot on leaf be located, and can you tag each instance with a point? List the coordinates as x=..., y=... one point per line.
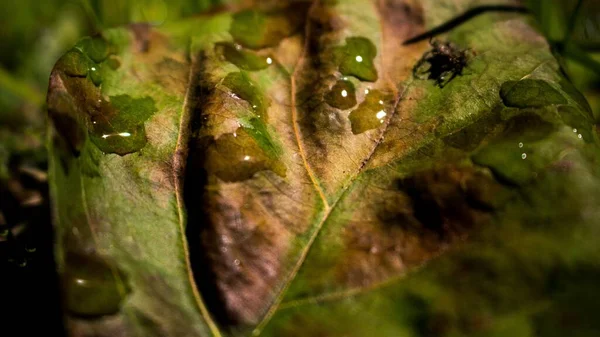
x=431, y=211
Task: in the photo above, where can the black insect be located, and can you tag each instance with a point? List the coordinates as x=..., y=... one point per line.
x=442, y=63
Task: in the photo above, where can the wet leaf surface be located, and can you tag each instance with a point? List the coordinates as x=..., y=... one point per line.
x=326, y=192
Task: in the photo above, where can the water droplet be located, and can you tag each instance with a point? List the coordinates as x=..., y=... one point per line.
x=369, y=114
x=356, y=57
x=237, y=158
x=575, y=130
x=520, y=145
x=257, y=29
x=524, y=155
x=118, y=126
x=30, y=249
x=244, y=59
x=91, y=287
x=242, y=87
x=96, y=48
x=342, y=95
x=579, y=136
x=236, y=262
x=95, y=75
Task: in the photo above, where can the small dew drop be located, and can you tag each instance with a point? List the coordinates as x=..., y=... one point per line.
x=380, y=114
x=366, y=91
x=575, y=130
x=381, y=102
x=238, y=47
x=93, y=68
x=80, y=281
x=359, y=59
x=236, y=262
x=579, y=136
x=246, y=158
x=520, y=145
x=125, y=134
x=524, y=155
x=235, y=134
x=269, y=60
x=344, y=93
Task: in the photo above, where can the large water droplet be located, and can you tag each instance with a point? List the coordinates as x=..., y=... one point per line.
x=243, y=87
x=356, y=58
x=238, y=156
x=119, y=126
x=96, y=48
x=370, y=114
x=342, y=95
x=256, y=29
x=91, y=287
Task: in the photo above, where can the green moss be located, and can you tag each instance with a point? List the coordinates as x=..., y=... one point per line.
x=530, y=93
x=74, y=63
x=356, y=58
x=342, y=95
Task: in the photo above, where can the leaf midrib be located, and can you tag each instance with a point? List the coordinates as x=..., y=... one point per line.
x=328, y=207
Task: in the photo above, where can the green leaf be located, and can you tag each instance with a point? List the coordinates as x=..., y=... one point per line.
x=314, y=196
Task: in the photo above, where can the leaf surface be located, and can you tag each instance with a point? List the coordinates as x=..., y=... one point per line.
x=326, y=192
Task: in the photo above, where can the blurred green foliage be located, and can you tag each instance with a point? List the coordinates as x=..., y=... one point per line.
x=573, y=29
